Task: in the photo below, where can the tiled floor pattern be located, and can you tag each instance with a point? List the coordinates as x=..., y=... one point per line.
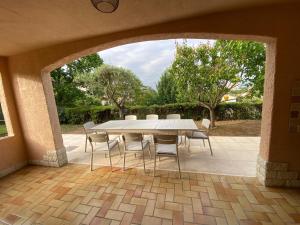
x=232, y=156
x=75, y=195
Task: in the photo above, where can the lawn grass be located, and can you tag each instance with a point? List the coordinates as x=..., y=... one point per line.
x=71, y=129
x=247, y=128
x=3, y=131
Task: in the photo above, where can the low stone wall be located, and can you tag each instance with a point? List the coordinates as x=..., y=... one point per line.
x=274, y=174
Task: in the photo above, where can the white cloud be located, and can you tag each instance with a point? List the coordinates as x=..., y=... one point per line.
x=147, y=60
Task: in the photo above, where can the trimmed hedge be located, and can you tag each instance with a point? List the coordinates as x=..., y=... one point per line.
x=99, y=114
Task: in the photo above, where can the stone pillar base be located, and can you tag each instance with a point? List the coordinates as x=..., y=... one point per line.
x=56, y=158
x=276, y=174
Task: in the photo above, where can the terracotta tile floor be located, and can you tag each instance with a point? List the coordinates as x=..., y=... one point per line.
x=232, y=156
x=75, y=195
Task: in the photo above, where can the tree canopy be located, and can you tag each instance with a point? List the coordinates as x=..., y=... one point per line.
x=206, y=73
x=166, y=88
x=117, y=85
x=250, y=57
x=66, y=91
x=147, y=96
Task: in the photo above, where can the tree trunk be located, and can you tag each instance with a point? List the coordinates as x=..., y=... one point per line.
x=121, y=112
x=211, y=114
x=212, y=117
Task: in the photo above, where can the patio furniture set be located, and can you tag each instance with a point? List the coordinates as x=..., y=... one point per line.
x=137, y=136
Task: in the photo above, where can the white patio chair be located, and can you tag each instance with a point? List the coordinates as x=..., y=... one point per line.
x=87, y=129
x=105, y=145
x=173, y=117
x=152, y=117
x=130, y=117
x=200, y=134
x=134, y=142
x=176, y=117
x=166, y=145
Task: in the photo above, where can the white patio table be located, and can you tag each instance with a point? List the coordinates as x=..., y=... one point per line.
x=147, y=126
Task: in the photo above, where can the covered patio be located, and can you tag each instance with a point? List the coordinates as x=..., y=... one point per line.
x=74, y=195
x=232, y=156
x=41, y=179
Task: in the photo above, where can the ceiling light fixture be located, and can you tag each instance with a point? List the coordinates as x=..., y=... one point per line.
x=106, y=6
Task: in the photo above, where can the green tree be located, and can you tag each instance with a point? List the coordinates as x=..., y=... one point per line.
x=118, y=85
x=66, y=91
x=204, y=74
x=147, y=96
x=250, y=57
x=166, y=88
x=85, y=64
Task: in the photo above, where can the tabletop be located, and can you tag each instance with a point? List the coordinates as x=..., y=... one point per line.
x=147, y=125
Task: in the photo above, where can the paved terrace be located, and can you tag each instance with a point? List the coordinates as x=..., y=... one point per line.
x=75, y=195
x=232, y=156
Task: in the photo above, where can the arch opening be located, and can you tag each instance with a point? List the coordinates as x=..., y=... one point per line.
x=269, y=76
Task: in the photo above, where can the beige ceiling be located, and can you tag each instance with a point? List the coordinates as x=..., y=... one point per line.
x=30, y=24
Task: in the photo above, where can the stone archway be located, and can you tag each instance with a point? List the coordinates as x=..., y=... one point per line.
x=268, y=94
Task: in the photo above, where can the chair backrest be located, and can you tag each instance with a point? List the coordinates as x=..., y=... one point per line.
x=132, y=137
x=166, y=139
x=130, y=117
x=173, y=116
x=206, y=123
x=152, y=117
x=88, y=125
x=103, y=137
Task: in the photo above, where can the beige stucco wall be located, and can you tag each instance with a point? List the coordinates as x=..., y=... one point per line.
x=35, y=101
x=12, y=148
x=278, y=26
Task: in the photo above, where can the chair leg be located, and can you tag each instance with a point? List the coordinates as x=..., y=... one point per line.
x=110, y=160
x=124, y=161
x=189, y=145
x=86, y=139
x=179, y=166
x=203, y=142
x=144, y=161
x=149, y=150
x=154, y=164
x=119, y=150
x=92, y=158
x=211, y=153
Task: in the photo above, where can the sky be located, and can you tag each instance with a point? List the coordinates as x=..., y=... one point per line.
x=148, y=59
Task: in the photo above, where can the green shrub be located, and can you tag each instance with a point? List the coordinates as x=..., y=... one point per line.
x=99, y=114
x=77, y=115
x=239, y=111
